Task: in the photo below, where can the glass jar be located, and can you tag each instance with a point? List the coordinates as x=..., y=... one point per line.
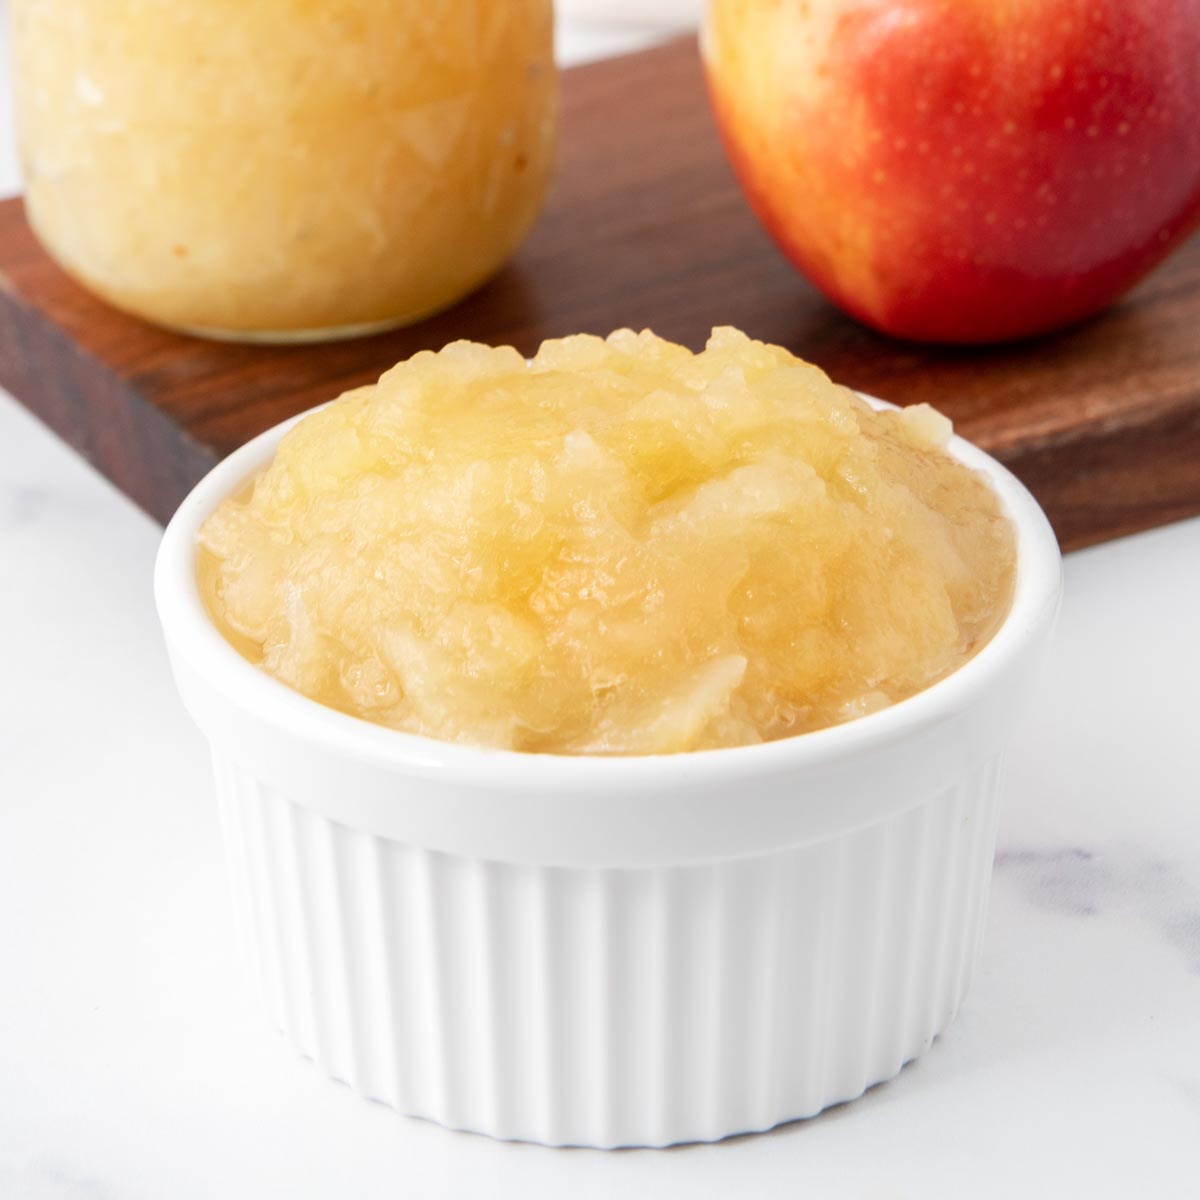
x=283, y=170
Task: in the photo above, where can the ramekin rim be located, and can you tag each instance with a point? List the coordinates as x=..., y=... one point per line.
x=191, y=633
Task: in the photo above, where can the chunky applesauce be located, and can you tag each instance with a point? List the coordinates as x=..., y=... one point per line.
x=620, y=547
x=280, y=169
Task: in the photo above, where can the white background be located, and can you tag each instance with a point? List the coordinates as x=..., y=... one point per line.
x=134, y=1062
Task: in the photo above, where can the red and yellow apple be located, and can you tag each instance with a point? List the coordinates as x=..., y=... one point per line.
x=964, y=170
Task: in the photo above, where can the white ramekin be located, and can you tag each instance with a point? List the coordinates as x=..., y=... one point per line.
x=608, y=951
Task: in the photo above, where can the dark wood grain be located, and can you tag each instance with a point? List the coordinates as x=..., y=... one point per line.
x=645, y=226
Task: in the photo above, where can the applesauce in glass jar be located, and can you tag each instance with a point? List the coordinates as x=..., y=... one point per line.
x=283, y=170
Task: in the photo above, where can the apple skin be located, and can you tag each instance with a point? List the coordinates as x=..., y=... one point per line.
x=964, y=170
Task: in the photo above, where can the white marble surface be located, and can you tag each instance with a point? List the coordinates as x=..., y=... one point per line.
x=134, y=1063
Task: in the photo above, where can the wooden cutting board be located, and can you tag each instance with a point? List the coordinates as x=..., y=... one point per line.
x=645, y=227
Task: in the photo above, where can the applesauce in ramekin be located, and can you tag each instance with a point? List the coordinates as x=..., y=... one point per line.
x=617, y=548
x=581, y=949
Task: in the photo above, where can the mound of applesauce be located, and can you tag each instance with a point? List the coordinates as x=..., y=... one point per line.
x=620, y=547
